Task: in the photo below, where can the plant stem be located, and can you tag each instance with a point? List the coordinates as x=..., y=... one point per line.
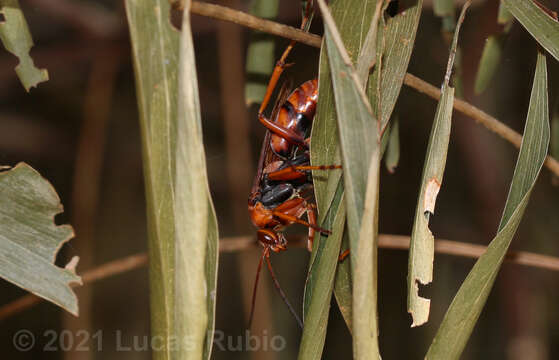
x=412, y=81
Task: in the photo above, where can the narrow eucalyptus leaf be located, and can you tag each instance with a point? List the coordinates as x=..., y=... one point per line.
x=325, y=141
x=543, y=27
x=360, y=146
x=398, y=39
x=320, y=281
x=421, y=255
x=181, y=220
x=462, y=315
x=504, y=16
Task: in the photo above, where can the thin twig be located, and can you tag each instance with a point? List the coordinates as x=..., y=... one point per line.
x=254, y=22
x=270, y=27
x=232, y=244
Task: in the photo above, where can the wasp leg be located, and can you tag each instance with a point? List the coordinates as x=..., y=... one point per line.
x=291, y=211
x=281, y=65
x=283, y=132
x=343, y=255
x=294, y=172
x=311, y=215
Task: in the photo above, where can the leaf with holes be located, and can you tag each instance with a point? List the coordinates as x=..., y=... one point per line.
x=30, y=240
x=421, y=255
x=462, y=315
x=16, y=38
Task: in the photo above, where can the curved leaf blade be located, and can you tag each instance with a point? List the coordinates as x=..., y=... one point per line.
x=30, y=240
x=422, y=253
x=399, y=38
x=181, y=220
x=360, y=146
x=542, y=27
x=461, y=316
x=353, y=18
x=196, y=236
x=320, y=281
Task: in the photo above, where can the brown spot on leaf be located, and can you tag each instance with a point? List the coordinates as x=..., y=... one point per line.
x=430, y=196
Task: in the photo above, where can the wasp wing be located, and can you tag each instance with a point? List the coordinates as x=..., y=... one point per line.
x=266, y=154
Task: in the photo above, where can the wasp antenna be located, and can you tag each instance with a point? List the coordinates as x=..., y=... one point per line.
x=282, y=294
x=253, y=302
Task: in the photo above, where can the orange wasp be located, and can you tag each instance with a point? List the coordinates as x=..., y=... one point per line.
x=282, y=191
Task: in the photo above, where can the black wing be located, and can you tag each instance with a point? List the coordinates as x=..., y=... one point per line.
x=266, y=155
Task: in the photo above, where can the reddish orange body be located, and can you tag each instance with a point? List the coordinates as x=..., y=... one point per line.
x=295, y=116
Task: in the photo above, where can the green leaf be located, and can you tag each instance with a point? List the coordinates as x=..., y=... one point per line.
x=343, y=288
x=181, y=219
x=260, y=53
x=325, y=150
x=320, y=281
x=30, y=240
x=360, y=145
x=489, y=63
x=504, y=17
x=393, y=148
x=468, y=303
x=539, y=24
x=421, y=255
x=443, y=8
x=399, y=38
x=325, y=147
x=16, y=38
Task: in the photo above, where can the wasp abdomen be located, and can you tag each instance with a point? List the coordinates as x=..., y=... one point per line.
x=296, y=115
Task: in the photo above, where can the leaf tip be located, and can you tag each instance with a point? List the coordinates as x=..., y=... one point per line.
x=419, y=307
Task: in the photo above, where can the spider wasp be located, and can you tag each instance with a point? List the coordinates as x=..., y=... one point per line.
x=282, y=190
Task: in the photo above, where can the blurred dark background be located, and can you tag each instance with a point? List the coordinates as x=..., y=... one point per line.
x=80, y=131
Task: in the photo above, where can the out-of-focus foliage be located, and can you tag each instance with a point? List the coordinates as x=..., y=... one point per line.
x=16, y=38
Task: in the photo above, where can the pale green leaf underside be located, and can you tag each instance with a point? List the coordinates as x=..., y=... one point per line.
x=360, y=149
x=320, y=282
x=540, y=25
x=400, y=35
x=399, y=38
x=468, y=303
x=181, y=221
x=421, y=255
x=325, y=140
x=16, y=38
x=29, y=238
x=422, y=241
